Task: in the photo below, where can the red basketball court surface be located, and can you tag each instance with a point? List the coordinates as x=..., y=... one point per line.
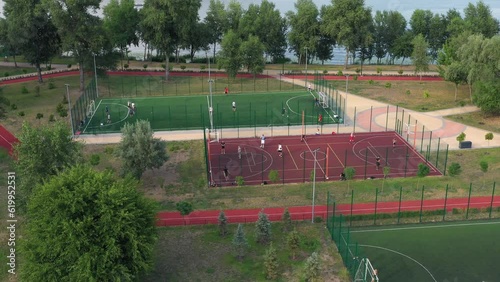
x=333, y=153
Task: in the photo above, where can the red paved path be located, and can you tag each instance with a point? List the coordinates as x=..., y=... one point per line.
x=304, y=213
x=7, y=140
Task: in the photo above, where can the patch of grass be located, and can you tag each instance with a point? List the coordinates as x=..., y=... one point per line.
x=198, y=253
x=479, y=120
x=441, y=96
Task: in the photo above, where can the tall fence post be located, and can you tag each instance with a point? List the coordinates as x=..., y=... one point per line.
x=376, y=201
x=468, y=202
x=352, y=204
x=492, y=197
x=446, y=159
x=400, y=197
x=445, y=202
x=421, y=204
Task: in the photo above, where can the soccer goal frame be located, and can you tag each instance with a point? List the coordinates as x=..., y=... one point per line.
x=91, y=109
x=366, y=272
x=323, y=100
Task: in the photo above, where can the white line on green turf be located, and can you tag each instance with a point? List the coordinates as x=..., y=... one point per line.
x=424, y=227
x=401, y=254
x=203, y=95
x=92, y=116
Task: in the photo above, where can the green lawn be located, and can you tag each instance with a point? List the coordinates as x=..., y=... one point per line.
x=198, y=253
x=191, y=112
x=436, y=252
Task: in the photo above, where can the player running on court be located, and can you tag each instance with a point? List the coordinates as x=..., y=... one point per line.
x=262, y=141
x=280, y=150
x=351, y=138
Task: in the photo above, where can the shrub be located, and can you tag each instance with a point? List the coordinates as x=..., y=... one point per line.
x=24, y=90
x=52, y=85
x=379, y=70
x=6, y=74
x=355, y=78
x=318, y=219
x=203, y=67
x=426, y=94
x=371, y=82
x=51, y=118
x=461, y=137
x=163, y=66
x=183, y=67
x=109, y=150
x=95, y=159
x=25, y=71
x=37, y=91
x=358, y=70
x=125, y=66
x=49, y=67
x=145, y=66
x=274, y=176
x=21, y=114
x=325, y=71
x=388, y=85
x=240, y=181
x=400, y=72
x=69, y=66
x=462, y=103
x=340, y=73
x=454, y=169
x=39, y=116
x=408, y=92
x=13, y=106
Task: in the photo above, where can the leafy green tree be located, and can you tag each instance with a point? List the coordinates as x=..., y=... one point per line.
x=197, y=38
x=99, y=225
x=252, y=55
x=349, y=175
x=287, y=220
x=488, y=137
x=420, y=22
x=184, y=208
x=312, y=268
x=349, y=22
x=454, y=169
x=139, y=150
x=419, y=55
x=457, y=74
x=293, y=242
x=120, y=21
x=229, y=57
x=402, y=46
x=484, y=168
x=479, y=19
x=263, y=228
x=437, y=34
x=42, y=153
x=35, y=32
x=216, y=21
x=272, y=30
x=388, y=27
x=9, y=37
x=234, y=14
x=271, y=264
x=423, y=170
x=240, y=242
x=461, y=137
x=222, y=224
x=274, y=176
x=304, y=29
x=165, y=23
x=80, y=29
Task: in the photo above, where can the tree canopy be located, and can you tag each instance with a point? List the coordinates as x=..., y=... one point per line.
x=88, y=225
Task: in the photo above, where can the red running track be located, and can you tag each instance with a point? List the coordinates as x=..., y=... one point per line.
x=304, y=212
x=7, y=140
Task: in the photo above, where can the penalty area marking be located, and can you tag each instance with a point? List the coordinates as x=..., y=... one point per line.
x=401, y=254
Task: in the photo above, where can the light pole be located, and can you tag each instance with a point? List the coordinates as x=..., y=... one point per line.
x=70, y=115
x=306, y=65
x=210, y=106
x=95, y=77
x=346, y=93
x=314, y=184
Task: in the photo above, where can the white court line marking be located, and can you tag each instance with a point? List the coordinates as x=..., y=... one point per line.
x=91, y=116
x=248, y=160
x=313, y=155
x=401, y=254
x=6, y=140
x=293, y=159
x=424, y=227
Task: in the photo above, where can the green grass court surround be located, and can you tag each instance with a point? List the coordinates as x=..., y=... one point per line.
x=191, y=112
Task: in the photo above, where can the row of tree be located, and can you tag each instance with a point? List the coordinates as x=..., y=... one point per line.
x=40, y=30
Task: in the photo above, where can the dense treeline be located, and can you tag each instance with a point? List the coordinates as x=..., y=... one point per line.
x=248, y=38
